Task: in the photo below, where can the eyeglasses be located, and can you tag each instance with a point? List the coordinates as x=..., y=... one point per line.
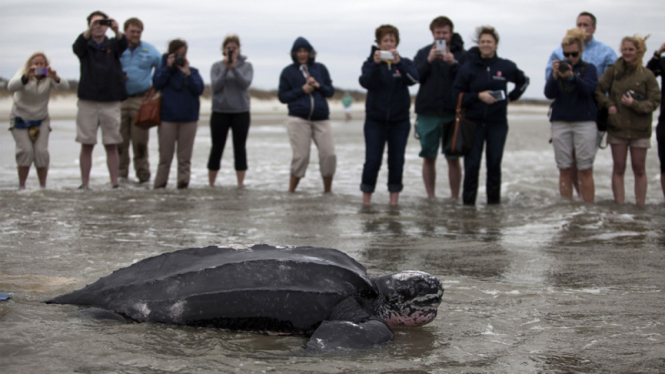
x=569, y=54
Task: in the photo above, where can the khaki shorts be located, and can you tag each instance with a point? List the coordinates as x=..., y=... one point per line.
x=92, y=115
x=574, y=144
x=634, y=143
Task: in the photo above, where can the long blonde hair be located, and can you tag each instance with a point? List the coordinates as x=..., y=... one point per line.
x=640, y=44
x=574, y=36
x=28, y=63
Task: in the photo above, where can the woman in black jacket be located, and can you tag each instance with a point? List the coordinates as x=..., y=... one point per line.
x=483, y=82
x=386, y=76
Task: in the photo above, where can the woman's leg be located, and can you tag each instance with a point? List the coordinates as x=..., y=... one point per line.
x=240, y=126
x=398, y=135
x=300, y=137
x=638, y=158
x=619, y=154
x=496, y=141
x=375, y=142
x=472, y=167
x=219, y=129
x=323, y=138
x=186, y=136
x=587, y=187
x=167, y=133
x=566, y=183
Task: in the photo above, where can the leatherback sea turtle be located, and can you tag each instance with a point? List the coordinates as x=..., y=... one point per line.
x=319, y=292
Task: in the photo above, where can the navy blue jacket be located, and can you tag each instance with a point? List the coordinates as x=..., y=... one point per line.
x=180, y=93
x=313, y=106
x=492, y=74
x=102, y=78
x=435, y=95
x=388, y=97
x=573, y=100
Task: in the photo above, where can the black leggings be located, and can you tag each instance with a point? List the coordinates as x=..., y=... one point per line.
x=219, y=129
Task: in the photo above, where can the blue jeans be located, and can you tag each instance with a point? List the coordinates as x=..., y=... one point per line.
x=495, y=137
x=377, y=134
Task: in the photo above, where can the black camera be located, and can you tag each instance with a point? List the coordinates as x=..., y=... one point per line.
x=179, y=60
x=635, y=95
x=229, y=55
x=565, y=65
x=105, y=22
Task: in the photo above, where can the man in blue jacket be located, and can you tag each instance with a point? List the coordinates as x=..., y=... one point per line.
x=138, y=61
x=435, y=104
x=304, y=86
x=101, y=89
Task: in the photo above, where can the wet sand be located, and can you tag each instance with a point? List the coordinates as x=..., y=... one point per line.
x=536, y=284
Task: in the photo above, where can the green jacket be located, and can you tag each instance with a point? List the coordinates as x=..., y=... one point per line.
x=632, y=122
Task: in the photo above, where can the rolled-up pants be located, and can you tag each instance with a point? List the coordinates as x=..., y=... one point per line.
x=174, y=135
x=301, y=133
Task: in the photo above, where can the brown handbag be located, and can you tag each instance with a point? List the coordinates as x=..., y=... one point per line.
x=149, y=113
x=458, y=139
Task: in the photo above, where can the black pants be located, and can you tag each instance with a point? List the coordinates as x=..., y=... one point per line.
x=220, y=123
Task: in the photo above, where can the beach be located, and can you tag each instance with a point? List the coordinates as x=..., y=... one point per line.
x=537, y=284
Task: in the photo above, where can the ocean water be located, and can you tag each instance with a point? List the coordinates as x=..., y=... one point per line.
x=536, y=284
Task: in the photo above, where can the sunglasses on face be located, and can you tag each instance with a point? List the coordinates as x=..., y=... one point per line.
x=569, y=54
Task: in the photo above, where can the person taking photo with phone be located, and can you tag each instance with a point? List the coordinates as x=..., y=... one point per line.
x=29, y=120
x=438, y=64
x=387, y=77
x=630, y=94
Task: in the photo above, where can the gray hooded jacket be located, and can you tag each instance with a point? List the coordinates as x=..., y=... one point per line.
x=230, y=86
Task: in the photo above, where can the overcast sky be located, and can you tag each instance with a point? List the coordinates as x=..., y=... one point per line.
x=342, y=31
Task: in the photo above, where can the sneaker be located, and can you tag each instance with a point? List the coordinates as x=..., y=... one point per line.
x=83, y=187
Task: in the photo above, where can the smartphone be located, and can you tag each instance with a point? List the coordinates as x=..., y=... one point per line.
x=498, y=95
x=106, y=22
x=41, y=71
x=387, y=55
x=441, y=45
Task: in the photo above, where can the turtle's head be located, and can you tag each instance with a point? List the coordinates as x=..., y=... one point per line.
x=408, y=298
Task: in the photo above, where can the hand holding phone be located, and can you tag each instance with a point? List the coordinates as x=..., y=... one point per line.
x=498, y=95
x=386, y=55
x=441, y=45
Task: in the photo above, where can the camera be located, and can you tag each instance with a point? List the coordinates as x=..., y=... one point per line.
x=635, y=95
x=106, y=22
x=229, y=55
x=565, y=65
x=41, y=71
x=179, y=60
x=387, y=55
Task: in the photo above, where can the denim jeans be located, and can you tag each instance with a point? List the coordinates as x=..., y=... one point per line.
x=377, y=134
x=495, y=137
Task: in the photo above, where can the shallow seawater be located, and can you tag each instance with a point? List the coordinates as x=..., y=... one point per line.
x=536, y=284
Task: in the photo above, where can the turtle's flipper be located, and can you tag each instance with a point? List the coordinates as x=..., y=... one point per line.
x=345, y=335
x=349, y=327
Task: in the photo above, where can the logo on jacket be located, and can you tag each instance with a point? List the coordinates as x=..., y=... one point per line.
x=499, y=76
x=397, y=74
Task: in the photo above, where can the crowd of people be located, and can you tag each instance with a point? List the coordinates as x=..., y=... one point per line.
x=588, y=84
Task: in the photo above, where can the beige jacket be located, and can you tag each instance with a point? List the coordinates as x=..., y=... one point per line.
x=31, y=100
x=632, y=122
